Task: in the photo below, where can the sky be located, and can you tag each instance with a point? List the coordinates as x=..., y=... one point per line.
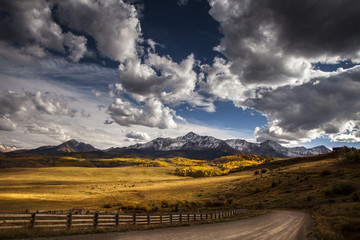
x=117, y=72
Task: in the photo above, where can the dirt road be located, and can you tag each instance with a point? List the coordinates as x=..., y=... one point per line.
x=273, y=225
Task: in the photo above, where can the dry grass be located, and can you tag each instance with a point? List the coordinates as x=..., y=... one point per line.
x=67, y=187
x=328, y=188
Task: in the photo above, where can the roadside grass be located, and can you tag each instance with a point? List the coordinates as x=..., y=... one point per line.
x=328, y=189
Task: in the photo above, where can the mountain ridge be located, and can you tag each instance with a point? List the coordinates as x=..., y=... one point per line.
x=190, y=145
x=195, y=142
x=4, y=148
x=71, y=146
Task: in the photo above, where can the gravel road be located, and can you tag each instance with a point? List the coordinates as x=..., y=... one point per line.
x=273, y=225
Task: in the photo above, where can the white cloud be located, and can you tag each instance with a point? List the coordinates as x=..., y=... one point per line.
x=21, y=109
x=6, y=124
x=157, y=82
x=137, y=136
x=114, y=24
x=76, y=46
x=152, y=114
x=160, y=77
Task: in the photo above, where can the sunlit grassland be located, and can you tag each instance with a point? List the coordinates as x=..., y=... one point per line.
x=328, y=186
x=67, y=187
x=329, y=189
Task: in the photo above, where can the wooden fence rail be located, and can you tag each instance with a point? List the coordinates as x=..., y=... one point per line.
x=108, y=220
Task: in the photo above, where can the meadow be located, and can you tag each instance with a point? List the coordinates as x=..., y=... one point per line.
x=327, y=186
x=63, y=188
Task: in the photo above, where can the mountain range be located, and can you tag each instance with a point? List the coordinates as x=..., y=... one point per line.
x=192, y=143
x=4, y=148
x=71, y=146
x=191, y=146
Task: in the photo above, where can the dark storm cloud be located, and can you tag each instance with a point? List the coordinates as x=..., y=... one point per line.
x=326, y=105
x=28, y=31
x=271, y=47
x=274, y=42
x=314, y=28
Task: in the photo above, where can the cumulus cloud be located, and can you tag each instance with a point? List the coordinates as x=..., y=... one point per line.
x=271, y=43
x=76, y=46
x=114, y=24
x=53, y=131
x=159, y=82
x=301, y=113
x=139, y=136
x=27, y=107
x=160, y=77
x=29, y=31
x=270, y=48
x=152, y=114
x=6, y=124
x=274, y=42
x=219, y=81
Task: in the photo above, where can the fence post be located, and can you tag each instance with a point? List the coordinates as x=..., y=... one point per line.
x=161, y=218
x=69, y=220
x=134, y=218
x=201, y=216
x=188, y=217
x=117, y=219
x=180, y=216
x=33, y=217
x=96, y=220
x=171, y=219
x=148, y=219
x=194, y=217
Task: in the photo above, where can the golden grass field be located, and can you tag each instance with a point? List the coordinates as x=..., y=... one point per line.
x=327, y=186
x=68, y=187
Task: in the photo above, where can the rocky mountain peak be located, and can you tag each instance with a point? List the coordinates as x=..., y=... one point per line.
x=191, y=135
x=4, y=148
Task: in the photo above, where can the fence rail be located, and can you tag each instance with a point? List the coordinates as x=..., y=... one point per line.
x=108, y=220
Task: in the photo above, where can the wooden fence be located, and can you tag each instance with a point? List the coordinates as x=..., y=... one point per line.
x=107, y=220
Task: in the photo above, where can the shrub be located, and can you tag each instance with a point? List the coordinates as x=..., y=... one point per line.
x=128, y=206
x=355, y=197
x=144, y=207
x=273, y=184
x=108, y=205
x=343, y=188
x=264, y=170
x=199, y=171
x=257, y=190
x=256, y=172
x=353, y=155
x=326, y=172
x=165, y=203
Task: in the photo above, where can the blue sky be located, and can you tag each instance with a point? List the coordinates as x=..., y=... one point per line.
x=114, y=73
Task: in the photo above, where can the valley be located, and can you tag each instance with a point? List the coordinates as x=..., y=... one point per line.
x=324, y=185
x=76, y=175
